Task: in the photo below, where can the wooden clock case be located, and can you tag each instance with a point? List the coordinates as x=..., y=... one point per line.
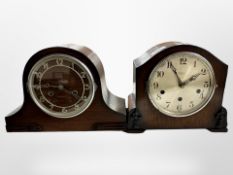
x=212, y=116
x=106, y=112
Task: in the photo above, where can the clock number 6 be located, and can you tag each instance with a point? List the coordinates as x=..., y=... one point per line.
x=179, y=108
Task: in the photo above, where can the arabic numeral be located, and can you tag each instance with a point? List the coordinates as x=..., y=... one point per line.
x=195, y=63
x=42, y=100
x=202, y=95
x=206, y=84
x=37, y=87
x=155, y=85
x=59, y=61
x=168, y=104
x=72, y=65
x=179, y=108
x=183, y=60
x=51, y=106
x=203, y=71
x=77, y=107
x=45, y=66
x=191, y=104
x=84, y=98
x=83, y=74
x=160, y=74
x=169, y=63
x=64, y=110
x=158, y=97
x=38, y=75
x=87, y=87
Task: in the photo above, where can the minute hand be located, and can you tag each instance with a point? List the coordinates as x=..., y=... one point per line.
x=177, y=76
x=192, y=78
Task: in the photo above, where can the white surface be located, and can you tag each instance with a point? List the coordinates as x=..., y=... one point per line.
x=118, y=31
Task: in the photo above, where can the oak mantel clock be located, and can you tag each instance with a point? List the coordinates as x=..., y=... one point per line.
x=180, y=86
x=65, y=90
x=176, y=86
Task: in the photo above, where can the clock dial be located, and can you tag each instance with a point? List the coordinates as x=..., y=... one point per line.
x=61, y=85
x=181, y=84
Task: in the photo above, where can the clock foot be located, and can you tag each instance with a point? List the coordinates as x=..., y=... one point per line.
x=133, y=122
x=133, y=117
x=220, y=121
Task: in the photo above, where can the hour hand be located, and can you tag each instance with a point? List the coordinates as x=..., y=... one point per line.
x=177, y=76
x=192, y=78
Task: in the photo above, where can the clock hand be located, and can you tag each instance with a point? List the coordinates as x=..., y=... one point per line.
x=177, y=76
x=74, y=93
x=62, y=88
x=192, y=78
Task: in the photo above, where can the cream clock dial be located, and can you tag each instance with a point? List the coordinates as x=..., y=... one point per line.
x=181, y=84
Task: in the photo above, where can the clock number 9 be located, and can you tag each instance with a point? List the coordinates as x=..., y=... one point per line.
x=155, y=85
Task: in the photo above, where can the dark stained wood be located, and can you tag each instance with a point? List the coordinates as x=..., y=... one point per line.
x=98, y=116
x=153, y=119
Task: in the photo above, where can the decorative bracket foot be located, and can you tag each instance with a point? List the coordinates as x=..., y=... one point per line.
x=220, y=121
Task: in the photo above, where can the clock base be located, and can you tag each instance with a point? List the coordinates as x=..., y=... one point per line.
x=32, y=127
x=133, y=124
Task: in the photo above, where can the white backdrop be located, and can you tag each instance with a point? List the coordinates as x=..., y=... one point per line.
x=118, y=31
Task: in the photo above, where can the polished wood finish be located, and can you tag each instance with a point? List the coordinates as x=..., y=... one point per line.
x=98, y=116
x=151, y=118
x=141, y=114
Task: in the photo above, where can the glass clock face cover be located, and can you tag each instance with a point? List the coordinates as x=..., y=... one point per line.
x=61, y=85
x=181, y=84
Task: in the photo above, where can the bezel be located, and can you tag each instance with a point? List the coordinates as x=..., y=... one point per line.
x=198, y=107
x=73, y=60
x=106, y=112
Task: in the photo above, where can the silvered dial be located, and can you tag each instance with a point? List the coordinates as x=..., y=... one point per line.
x=61, y=85
x=181, y=84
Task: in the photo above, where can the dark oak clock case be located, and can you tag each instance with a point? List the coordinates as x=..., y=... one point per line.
x=108, y=112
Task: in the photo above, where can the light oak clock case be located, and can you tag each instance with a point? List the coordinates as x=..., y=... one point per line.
x=212, y=116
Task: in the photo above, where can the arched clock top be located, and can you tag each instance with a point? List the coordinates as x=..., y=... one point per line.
x=65, y=89
x=178, y=85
